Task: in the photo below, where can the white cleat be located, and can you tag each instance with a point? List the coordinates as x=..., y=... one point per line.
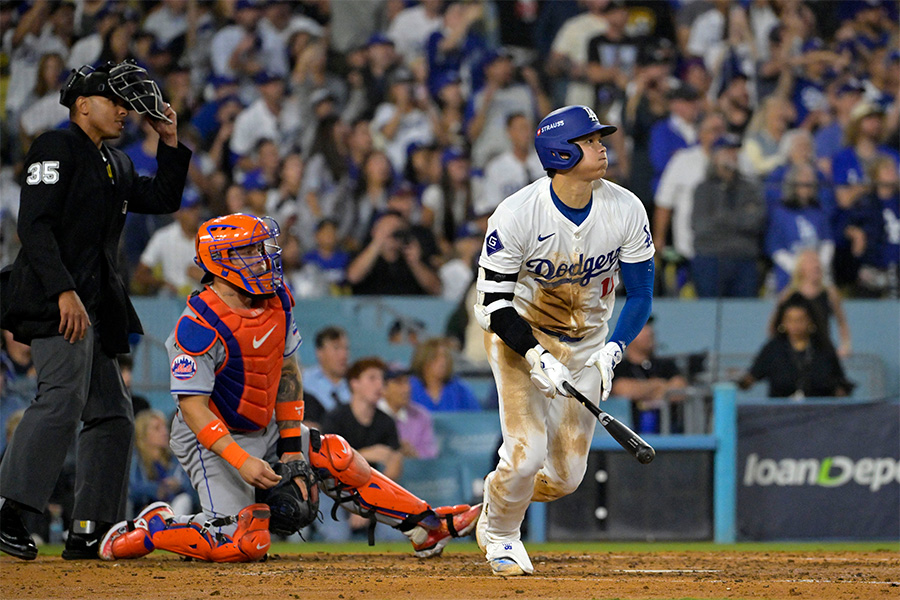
x=509, y=559
x=481, y=525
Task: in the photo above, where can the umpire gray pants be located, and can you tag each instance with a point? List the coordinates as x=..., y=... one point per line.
x=76, y=382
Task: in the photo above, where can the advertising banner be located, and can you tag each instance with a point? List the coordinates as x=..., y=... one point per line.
x=819, y=471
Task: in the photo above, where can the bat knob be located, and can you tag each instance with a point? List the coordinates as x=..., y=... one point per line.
x=646, y=455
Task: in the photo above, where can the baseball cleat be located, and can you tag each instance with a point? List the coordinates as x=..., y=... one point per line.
x=461, y=524
x=481, y=526
x=157, y=509
x=509, y=559
x=132, y=539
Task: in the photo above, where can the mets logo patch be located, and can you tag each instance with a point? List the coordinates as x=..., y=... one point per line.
x=184, y=367
x=492, y=243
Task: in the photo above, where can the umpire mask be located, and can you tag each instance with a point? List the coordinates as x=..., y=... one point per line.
x=134, y=85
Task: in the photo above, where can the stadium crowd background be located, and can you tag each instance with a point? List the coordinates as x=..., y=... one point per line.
x=330, y=114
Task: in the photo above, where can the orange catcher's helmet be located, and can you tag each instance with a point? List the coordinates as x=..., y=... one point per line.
x=241, y=249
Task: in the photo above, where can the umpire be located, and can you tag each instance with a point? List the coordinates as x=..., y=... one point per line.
x=65, y=297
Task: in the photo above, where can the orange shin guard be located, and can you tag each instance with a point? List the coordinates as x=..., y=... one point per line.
x=250, y=542
x=375, y=491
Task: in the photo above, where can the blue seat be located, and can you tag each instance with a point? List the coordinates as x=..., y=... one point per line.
x=437, y=481
x=471, y=438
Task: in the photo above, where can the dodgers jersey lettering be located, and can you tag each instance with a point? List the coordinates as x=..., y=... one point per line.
x=567, y=273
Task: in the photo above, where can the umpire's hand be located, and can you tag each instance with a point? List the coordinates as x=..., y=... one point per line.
x=73, y=318
x=168, y=132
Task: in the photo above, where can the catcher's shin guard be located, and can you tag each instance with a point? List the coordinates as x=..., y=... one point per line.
x=132, y=539
x=125, y=540
x=364, y=490
x=250, y=542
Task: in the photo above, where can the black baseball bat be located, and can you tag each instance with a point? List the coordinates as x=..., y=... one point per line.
x=628, y=439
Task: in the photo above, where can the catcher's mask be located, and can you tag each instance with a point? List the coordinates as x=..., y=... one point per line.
x=125, y=80
x=241, y=249
x=134, y=85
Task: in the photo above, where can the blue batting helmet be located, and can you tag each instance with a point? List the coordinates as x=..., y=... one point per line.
x=553, y=139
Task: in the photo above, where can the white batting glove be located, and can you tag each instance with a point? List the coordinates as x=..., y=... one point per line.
x=547, y=373
x=605, y=359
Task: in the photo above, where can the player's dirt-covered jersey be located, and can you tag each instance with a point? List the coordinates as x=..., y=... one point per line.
x=567, y=273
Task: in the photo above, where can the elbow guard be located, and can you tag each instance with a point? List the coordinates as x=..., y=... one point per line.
x=495, y=292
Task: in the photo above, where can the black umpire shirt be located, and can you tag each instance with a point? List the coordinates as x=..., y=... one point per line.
x=73, y=205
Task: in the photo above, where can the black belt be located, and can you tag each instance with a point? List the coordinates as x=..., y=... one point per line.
x=561, y=336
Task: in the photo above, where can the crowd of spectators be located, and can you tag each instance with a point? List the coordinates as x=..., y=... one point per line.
x=380, y=133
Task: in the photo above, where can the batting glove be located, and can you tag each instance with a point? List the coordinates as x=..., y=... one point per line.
x=547, y=373
x=605, y=359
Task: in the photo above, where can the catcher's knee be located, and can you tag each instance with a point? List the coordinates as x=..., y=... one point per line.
x=340, y=459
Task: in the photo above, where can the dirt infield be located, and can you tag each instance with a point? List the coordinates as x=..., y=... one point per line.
x=464, y=575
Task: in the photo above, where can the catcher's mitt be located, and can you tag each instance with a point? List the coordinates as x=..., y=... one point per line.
x=290, y=512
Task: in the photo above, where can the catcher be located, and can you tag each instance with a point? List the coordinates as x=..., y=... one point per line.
x=237, y=430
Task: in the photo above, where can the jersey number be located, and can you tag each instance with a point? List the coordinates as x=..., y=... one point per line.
x=43, y=171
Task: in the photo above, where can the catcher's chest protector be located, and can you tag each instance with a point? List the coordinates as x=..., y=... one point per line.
x=247, y=382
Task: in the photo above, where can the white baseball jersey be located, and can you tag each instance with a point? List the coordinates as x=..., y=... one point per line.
x=567, y=272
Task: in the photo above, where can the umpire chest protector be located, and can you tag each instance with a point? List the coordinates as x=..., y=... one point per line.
x=254, y=338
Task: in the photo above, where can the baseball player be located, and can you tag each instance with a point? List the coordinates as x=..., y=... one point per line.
x=238, y=432
x=65, y=298
x=546, y=281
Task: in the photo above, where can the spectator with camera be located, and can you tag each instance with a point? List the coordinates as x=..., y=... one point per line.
x=395, y=261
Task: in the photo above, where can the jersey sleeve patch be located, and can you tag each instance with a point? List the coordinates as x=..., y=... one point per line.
x=492, y=243
x=184, y=367
x=194, y=337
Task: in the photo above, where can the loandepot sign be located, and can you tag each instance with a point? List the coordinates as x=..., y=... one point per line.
x=828, y=472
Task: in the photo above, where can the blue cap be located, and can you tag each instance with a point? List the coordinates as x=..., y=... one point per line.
x=403, y=188
x=851, y=85
x=813, y=45
x=469, y=229
x=396, y=369
x=447, y=78
x=264, y=77
x=495, y=55
x=220, y=80
x=729, y=140
x=452, y=153
x=241, y=4
x=379, y=38
x=254, y=180
x=190, y=198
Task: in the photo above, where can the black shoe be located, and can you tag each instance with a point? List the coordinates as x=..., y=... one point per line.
x=14, y=538
x=83, y=546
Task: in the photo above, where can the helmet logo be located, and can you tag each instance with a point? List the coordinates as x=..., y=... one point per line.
x=556, y=124
x=591, y=114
